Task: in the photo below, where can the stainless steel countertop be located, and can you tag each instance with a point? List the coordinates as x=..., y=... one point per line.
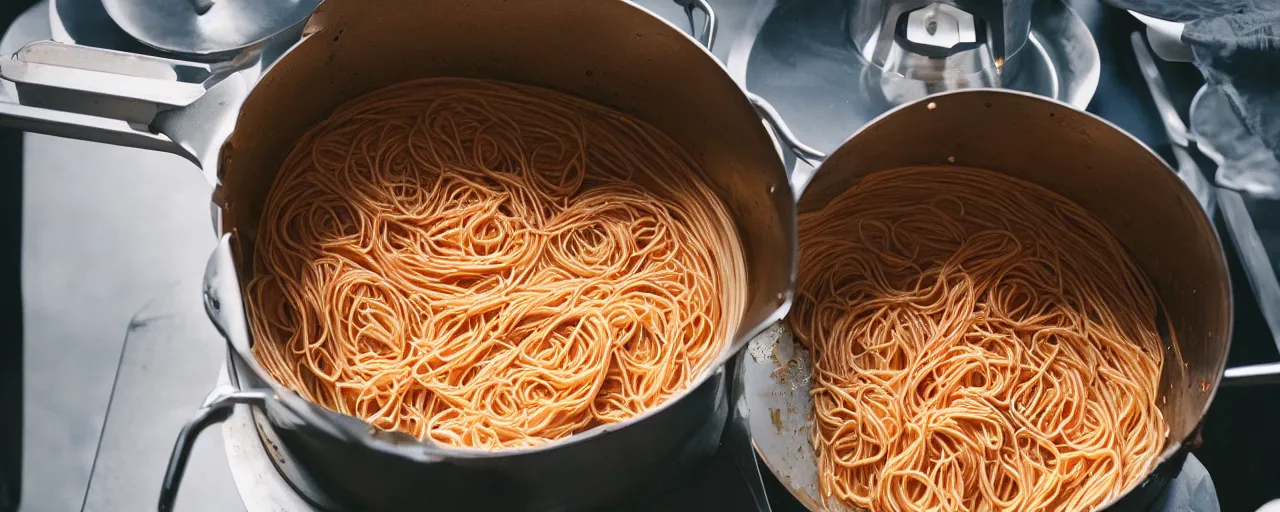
x=105, y=229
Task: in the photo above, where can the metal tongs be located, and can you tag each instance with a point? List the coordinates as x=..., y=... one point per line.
x=1179, y=138
x=1234, y=212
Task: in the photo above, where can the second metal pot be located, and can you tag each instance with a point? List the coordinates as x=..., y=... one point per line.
x=1075, y=154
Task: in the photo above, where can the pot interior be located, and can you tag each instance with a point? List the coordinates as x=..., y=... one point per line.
x=1106, y=171
x=612, y=53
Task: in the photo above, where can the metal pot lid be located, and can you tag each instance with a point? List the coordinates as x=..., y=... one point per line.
x=206, y=27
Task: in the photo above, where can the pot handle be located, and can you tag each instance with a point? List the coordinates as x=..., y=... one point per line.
x=766, y=111
x=100, y=95
x=802, y=151
x=216, y=409
x=770, y=115
x=86, y=127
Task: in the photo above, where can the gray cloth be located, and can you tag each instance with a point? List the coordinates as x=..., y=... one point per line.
x=1244, y=162
x=1240, y=54
x=1191, y=491
x=1191, y=10
x=1236, y=45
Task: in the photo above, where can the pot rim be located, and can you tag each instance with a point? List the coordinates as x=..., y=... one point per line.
x=1172, y=449
x=374, y=438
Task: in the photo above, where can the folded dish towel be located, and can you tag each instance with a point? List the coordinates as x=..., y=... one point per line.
x=1236, y=45
x=1191, y=491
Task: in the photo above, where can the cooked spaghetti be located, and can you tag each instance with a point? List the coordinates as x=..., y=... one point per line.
x=979, y=343
x=490, y=265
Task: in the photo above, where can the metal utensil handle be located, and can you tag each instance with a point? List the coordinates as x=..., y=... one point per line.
x=90, y=128
x=1173, y=124
x=100, y=95
x=1262, y=282
x=216, y=409
x=1179, y=139
x=1252, y=375
x=85, y=127
x=708, y=35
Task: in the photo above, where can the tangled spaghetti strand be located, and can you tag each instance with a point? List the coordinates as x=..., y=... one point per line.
x=490, y=265
x=980, y=343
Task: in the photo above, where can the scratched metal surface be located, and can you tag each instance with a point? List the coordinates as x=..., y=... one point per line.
x=777, y=373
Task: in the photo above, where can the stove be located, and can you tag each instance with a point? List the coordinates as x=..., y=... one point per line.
x=786, y=51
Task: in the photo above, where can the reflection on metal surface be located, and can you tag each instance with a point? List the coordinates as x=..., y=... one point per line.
x=201, y=6
x=923, y=48
x=86, y=22
x=939, y=28
x=214, y=30
x=799, y=56
x=1252, y=375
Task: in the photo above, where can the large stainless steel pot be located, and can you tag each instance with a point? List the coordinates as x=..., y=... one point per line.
x=1082, y=157
x=239, y=129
